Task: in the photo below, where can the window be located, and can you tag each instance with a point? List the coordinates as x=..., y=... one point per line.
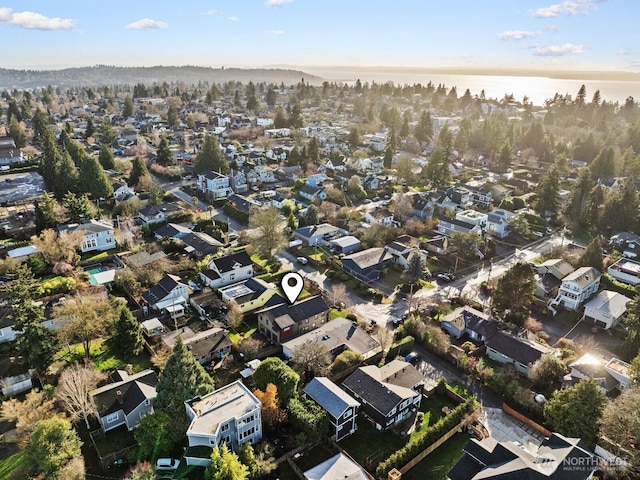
x=225, y=427
x=147, y=402
x=112, y=417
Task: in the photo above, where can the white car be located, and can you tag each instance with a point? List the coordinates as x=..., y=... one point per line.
x=538, y=234
x=302, y=260
x=164, y=464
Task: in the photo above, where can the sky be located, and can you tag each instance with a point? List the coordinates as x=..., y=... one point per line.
x=532, y=34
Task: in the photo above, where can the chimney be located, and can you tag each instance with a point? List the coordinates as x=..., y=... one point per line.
x=119, y=397
x=394, y=474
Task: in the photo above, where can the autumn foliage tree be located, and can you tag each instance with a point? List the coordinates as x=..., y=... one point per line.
x=270, y=411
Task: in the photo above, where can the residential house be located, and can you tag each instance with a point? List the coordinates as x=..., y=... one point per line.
x=628, y=243
x=282, y=321
x=9, y=153
x=125, y=400
x=157, y=213
x=383, y=216
x=121, y=191
x=228, y=269
x=206, y=346
x=261, y=174
x=473, y=217
x=388, y=395
x=370, y=182
x=171, y=230
x=98, y=235
x=626, y=271
x=459, y=196
x=448, y=225
x=557, y=458
x=557, y=267
x=214, y=185
x=341, y=407
x=480, y=197
x=340, y=466
x=277, y=132
x=169, y=294
x=498, y=222
x=422, y=204
x=576, y=288
x=606, y=309
x=500, y=191
x=336, y=336
x=249, y=294
x=467, y=320
x=243, y=203
x=312, y=194
x=319, y=234
x=403, y=248
x=229, y=415
x=522, y=353
x=238, y=181
x=316, y=180
x=336, y=164
x=438, y=245
x=200, y=244
x=367, y=265
x=610, y=376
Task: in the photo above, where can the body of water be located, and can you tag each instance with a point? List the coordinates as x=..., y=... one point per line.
x=538, y=89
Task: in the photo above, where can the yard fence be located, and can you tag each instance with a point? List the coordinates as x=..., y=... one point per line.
x=526, y=420
x=111, y=458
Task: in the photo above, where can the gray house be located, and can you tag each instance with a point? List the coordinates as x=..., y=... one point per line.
x=126, y=400
x=341, y=407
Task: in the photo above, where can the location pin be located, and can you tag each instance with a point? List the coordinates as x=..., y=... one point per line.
x=292, y=284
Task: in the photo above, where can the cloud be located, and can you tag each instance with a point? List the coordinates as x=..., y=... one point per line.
x=146, y=24
x=34, y=21
x=233, y=19
x=211, y=12
x=516, y=35
x=277, y=3
x=558, y=50
x=624, y=51
x=276, y=32
x=568, y=8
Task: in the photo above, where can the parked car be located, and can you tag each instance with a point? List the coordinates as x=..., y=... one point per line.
x=413, y=358
x=537, y=234
x=167, y=464
x=446, y=277
x=302, y=260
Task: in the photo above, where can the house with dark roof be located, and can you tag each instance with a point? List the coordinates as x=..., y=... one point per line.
x=125, y=400
x=282, y=321
x=168, y=294
x=422, y=204
x=403, y=247
x=367, y=265
x=171, y=230
x=157, y=213
x=200, y=244
x=242, y=203
x=557, y=458
x=388, y=395
x=498, y=222
x=341, y=407
x=207, y=346
x=521, y=352
x=250, y=294
x=320, y=234
x=480, y=197
x=228, y=269
x=467, y=320
x=213, y=184
x=448, y=225
x=311, y=193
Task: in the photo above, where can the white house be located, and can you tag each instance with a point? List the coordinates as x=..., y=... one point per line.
x=98, y=235
x=228, y=269
x=229, y=415
x=382, y=215
x=214, y=184
x=157, y=213
x=168, y=294
x=606, y=309
x=624, y=270
x=576, y=288
x=498, y=222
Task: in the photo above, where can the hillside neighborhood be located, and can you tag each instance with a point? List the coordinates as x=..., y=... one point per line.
x=469, y=307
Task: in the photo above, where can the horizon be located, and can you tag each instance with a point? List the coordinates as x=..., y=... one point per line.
x=544, y=36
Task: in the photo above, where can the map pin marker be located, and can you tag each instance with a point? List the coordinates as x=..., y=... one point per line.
x=292, y=284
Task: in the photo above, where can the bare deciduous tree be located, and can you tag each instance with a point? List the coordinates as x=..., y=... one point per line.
x=73, y=390
x=56, y=248
x=160, y=357
x=27, y=413
x=234, y=316
x=384, y=337
x=312, y=359
x=337, y=295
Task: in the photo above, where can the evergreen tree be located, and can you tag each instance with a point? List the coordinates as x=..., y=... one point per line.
x=548, y=199
x=437, y=169
x=127, y=108
x=280, y=120
x=128, y=334
x=106, y=158
x=271, y=97
x=225, y=465
x=354, y=137
x=273, y=370
x=506, y=156
x=631, y=323
x=51, y=446
x=311, y=215
x=424, y=129
x=313, y=150
x=514, y=291
x=172, y=117
x=90, y=130
x=79, y=208
x=106, y=133
x=415, y=268
x=603, y=166
x=66, y=177
x=76, y=151
x=210, y=157
x=16, y=131
x=93, y=179
x=577, y=208
x=138, y=171
x=387, y=160
x=182, y=378
x=163, y=153
x=592, y=256
x=38, y=345
x=45, y=213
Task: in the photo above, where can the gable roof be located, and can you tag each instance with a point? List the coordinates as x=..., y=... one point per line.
x=369, y=257
x=329, y=396
x=518, y=349
x=297, y=312
x=133, y=390
x=338, y=467
x=230, y=262
x=609, y=303
x=584, y=276
x=153, y=210
x=161, y=289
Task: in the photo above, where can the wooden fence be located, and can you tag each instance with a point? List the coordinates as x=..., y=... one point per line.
x=526, y=420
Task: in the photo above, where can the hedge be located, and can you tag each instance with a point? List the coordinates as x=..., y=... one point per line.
x=614, y=285
x=401, y=457
x=403, y=345
x=236, y=213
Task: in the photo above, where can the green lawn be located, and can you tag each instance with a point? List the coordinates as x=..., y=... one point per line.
x=114, y=441
x=337, y=313
x=437, y=465
x=8, y=466
x=105, y=356
x=367, y=442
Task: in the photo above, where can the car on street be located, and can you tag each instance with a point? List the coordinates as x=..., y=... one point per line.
x=413, y=358
x=446, y=277
x=538, y=234
x=302, y=260
x=164, y=464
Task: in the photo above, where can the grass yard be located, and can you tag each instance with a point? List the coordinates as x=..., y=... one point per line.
x=437, y=465
x=367, y=442
x=105, y=356
x=337, y=313
x=313, y=456
x=246, y=330
x=114, y=441
x=10, y=465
